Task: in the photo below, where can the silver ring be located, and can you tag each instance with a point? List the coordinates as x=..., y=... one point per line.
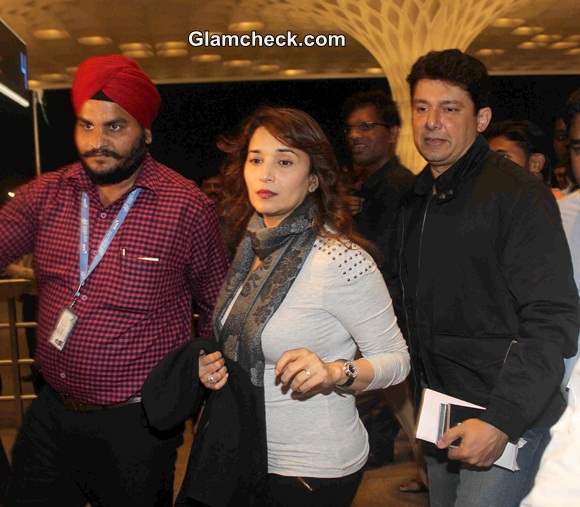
x=211, y=379
x=307, y=371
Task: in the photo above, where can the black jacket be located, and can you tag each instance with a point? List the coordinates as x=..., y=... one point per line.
x=383, y=192
x=227, y=463
x=488, y=289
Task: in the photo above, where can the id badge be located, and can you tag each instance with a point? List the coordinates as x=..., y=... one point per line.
x=63, y=329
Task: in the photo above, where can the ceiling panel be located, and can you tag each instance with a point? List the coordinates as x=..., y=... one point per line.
x=152, y=22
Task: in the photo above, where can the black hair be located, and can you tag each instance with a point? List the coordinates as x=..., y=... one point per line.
x=457, y=68
x=386, y=107
x=527, y=135
x=572, y=108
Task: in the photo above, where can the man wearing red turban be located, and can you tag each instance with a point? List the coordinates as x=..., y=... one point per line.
x=122, y=246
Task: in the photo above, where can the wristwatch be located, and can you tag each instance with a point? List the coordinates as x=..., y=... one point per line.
x=351, y=372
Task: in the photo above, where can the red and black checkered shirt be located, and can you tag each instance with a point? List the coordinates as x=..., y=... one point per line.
x=133, y=310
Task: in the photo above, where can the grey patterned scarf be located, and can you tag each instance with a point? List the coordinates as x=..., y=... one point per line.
x=282, y=250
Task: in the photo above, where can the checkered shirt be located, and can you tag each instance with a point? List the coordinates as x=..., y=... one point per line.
x=133, y=309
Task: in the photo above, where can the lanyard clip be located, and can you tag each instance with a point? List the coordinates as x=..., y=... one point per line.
x=77, y=294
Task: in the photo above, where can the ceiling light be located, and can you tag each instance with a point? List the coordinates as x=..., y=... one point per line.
x=238, y=63
x=71, y=70
x=575, y=38
x=245, y=18
x=489, y=52
x=564, y=45
x=575, y=51
x=268, y=67
x=139, y=53
x=246, y=26
x=544, y=37
x=527, y=30
x=508, y=22
x=172, y=53
x=11, y=194
x=293, y=72
x=33, y=83
x=53, y=76
x=530, y=45
x=172, y=44
x=51, y=34
x=206, y=58
x=95, y=40
x=135, y=46
x=375, y=71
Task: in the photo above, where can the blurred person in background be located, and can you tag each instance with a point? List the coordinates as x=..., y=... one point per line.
x=557, y=482
x=522, y=142
x=372, y=123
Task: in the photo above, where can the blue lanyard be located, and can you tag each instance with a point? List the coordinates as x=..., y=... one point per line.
x=85, y=269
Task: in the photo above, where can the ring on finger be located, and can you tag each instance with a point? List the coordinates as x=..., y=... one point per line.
x=211, y=378
x=307, y=371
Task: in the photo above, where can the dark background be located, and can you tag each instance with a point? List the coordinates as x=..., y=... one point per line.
x=192, y=117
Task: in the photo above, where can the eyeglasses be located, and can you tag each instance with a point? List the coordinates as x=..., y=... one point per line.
x=363, y=126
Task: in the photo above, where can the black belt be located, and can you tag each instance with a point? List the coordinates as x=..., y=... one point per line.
x=79, y=406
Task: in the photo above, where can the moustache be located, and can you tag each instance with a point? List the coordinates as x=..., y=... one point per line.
x=101, y=153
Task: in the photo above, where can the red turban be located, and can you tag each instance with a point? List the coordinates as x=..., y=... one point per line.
x=121, y=80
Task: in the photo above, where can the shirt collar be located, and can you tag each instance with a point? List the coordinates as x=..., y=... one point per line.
x=147, y=178
x=379, y=175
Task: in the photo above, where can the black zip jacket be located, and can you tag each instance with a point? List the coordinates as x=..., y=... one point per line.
x=488, y=289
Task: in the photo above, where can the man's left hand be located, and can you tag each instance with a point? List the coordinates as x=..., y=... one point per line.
x=481, y=443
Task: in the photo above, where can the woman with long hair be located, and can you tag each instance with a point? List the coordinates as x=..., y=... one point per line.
x=302, y=295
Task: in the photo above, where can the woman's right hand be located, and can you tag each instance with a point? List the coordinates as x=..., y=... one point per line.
x=213, y=373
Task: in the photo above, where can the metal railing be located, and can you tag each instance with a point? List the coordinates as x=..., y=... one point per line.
x=10, y=291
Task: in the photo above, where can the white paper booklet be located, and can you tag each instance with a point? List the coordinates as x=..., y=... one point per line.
x=429, y=425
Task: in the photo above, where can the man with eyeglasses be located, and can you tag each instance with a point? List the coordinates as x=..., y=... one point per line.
x=371, y=126
x=379, y=181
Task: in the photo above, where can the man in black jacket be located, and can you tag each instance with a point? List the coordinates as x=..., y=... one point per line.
x=379, y=181
x=371, y=126
x=487, y=286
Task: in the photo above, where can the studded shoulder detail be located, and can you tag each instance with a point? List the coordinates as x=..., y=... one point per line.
x=350, y=260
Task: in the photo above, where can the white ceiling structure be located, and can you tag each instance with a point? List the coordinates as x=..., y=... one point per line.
x=538, y=37
x=383, y=38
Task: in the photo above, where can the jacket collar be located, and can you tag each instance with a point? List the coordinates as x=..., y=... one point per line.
x=447, y=185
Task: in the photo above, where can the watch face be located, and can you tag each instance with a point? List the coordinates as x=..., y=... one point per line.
x=350, y=370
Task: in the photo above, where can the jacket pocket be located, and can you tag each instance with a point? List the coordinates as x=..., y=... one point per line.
x=468, y=366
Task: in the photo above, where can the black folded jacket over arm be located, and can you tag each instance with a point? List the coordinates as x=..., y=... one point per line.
x=227, y=463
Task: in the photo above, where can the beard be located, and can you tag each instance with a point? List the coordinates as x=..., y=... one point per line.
x=124, y=169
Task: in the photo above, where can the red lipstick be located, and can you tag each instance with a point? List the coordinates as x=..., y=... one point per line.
x=266, y=194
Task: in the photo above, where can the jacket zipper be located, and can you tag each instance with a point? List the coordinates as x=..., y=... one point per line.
x=416, y=375
x=420, y=253
x=409, y=338
x=403, y=280
x=508, y=350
